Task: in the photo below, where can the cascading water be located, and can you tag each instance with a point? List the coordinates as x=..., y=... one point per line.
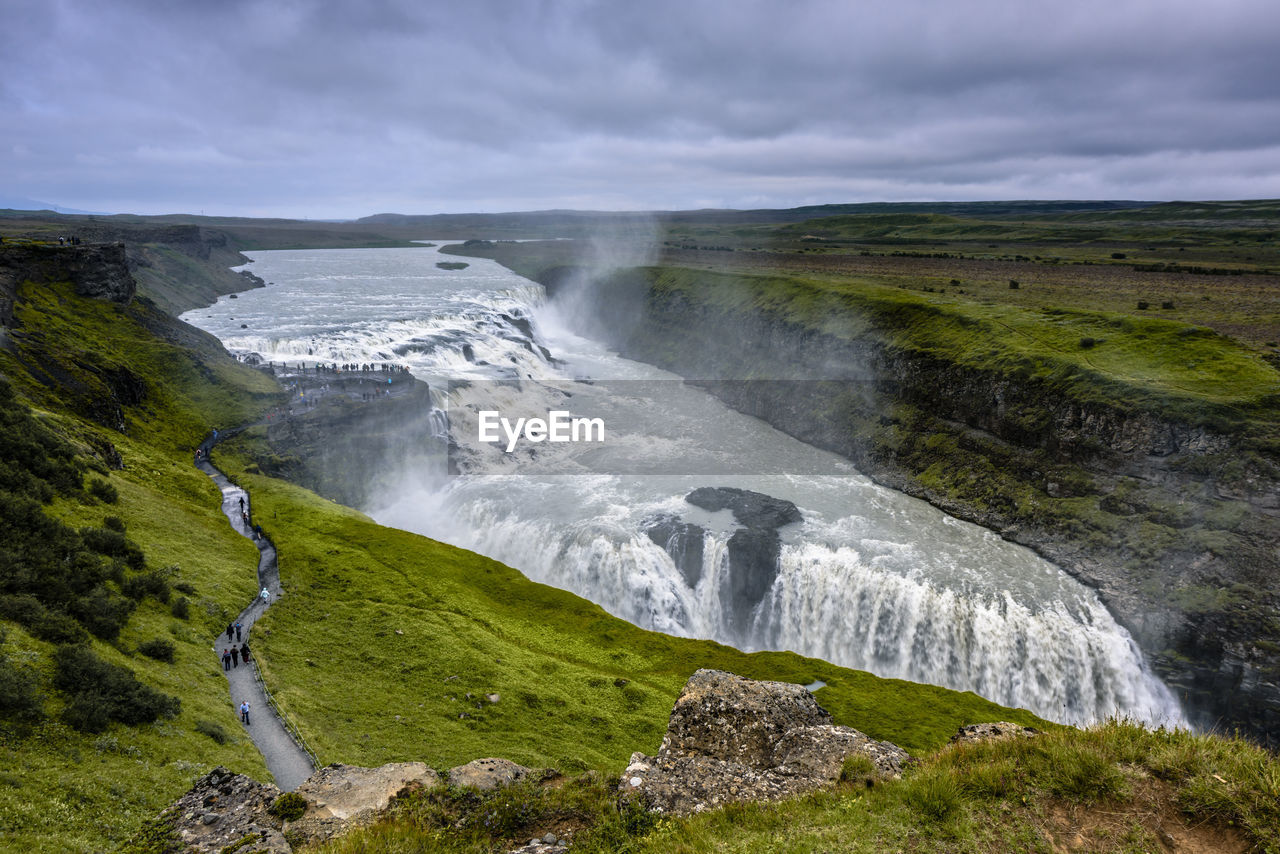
x=858, y=575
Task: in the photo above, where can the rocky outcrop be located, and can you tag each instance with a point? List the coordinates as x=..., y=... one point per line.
x=347, y=448
x=733, y=739
x=753, y=550
x=100, y=271
x=223, y=809
x=684, y=541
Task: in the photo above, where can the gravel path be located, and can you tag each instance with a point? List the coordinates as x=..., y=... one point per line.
x=287, y=761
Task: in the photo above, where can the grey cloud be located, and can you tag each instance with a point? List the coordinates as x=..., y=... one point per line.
x=340, y=108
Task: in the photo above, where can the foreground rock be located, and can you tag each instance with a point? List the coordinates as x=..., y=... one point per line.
x=223, y=809
x=734, y=739
x=342, y=797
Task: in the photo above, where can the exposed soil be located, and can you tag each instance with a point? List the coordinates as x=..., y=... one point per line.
x=1151, y=821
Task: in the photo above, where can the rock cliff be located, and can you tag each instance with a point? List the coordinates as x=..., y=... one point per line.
x=100, y=271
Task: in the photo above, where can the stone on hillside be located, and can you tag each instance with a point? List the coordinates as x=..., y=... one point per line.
x=340, y=797
x=487, y=773
x=734, y=739
x=223, y=809
x=992, y=732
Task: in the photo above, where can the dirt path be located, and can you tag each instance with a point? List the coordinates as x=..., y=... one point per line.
x=288, y=762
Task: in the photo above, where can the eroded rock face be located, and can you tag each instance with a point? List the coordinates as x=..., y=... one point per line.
x=734, y=739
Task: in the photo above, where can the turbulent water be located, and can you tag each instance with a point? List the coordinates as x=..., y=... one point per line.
x=869, y=578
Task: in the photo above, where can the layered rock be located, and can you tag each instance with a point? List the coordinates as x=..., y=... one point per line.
x=753, y=550
x=100, y=271
x=734, y=739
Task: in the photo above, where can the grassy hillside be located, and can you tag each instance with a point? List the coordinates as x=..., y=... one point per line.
x=66, y=790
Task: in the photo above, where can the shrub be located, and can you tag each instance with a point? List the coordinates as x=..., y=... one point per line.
x=46, y=624
x=113, y=523
x=113, y=544
x=213, y=730
x=1013, y=284
x=288, y=807
x=1167, y=304
x=20, y=697
x=1117, y=255
x=181, y=608
x=1087, y=342
x=100, y=692
x=149, y=584
x=159, y=649
x=103, y=491
x=1143, y=305
x=103, y=612
x=184, y=587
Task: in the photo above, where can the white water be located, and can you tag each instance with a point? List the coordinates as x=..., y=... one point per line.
x=870, y=578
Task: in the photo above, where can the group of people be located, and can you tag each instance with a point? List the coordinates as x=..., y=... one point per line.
x=231, y=657
x=232, y=654
x=69, y=241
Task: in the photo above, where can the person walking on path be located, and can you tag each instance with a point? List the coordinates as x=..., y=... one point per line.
x=230, y=629
x=266, y=595
x=226, y=660
x=237, y=633
x=235, y=656
x=244, y=712
x=244, y=652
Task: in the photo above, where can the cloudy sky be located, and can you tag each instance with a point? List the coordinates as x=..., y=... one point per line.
x=342, y=109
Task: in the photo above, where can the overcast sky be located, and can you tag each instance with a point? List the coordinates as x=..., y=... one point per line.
x=343, y=109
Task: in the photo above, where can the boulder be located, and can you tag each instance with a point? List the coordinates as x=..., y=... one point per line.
x=341, y=797
x=734, y=739
x=996, y=731
x=487, y=773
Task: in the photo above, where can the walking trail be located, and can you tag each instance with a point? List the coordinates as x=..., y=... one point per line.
x=289, y=763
